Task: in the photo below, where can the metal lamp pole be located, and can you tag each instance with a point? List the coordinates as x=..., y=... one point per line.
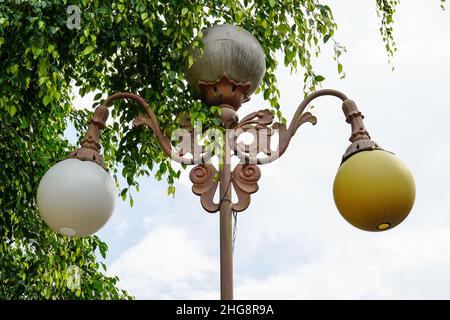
x=243, y=179
x=236, y=73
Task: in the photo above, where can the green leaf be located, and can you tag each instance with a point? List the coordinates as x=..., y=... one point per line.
x=46, y=100
x=171, y=191
x=184, y=11
x=12, y=110
x=272, y=3
x=36, y=52
x=88, y=50
x=319, y=78
x=190, y=61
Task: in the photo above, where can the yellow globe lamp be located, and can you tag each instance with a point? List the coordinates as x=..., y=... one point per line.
x=373, y=190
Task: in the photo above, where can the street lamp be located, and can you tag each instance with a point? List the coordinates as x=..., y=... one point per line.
x=373, y=190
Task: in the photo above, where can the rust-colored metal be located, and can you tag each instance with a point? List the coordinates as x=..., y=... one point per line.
x=358, y=146
x=258, y=125
x=355, y=118
x=150, y=120
x=230, y=94
x=244, y=178
x=193, y=147
x=248, y=154
x=90, y=145
x=359, y=138
x=205, y=179
x=226, y=230
x=245, y=182
x=228, y=116
x=225, y=91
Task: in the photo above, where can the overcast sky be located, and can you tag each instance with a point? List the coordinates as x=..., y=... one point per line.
x=292, y=242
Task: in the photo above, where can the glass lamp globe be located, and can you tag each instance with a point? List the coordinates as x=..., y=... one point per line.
x=374, y=190
x=229, y=50
x=76, y=198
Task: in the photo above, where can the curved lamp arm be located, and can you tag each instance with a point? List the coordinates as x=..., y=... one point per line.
x=90, y=145
x=360, y=137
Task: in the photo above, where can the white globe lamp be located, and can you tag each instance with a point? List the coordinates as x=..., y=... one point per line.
x=76, y=198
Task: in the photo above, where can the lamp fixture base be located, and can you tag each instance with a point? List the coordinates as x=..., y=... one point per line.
x=225, y=91
x=228, y=94
x=358, y=146
x=90, y=145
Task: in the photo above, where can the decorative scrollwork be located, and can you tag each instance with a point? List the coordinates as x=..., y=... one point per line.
x=245, y=176
x=178, y=153
x=259, y=124
x=191, y=146
x=144, y=119
x=301, y=119
x=204, y=180
x=260, y=120
x=245, y=182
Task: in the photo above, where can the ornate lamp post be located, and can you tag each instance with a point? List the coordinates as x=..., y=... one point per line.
x=373, y=190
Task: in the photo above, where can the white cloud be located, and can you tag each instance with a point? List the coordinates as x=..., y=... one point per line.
x=393, y=267
x=122, y=227
x=165, y=264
